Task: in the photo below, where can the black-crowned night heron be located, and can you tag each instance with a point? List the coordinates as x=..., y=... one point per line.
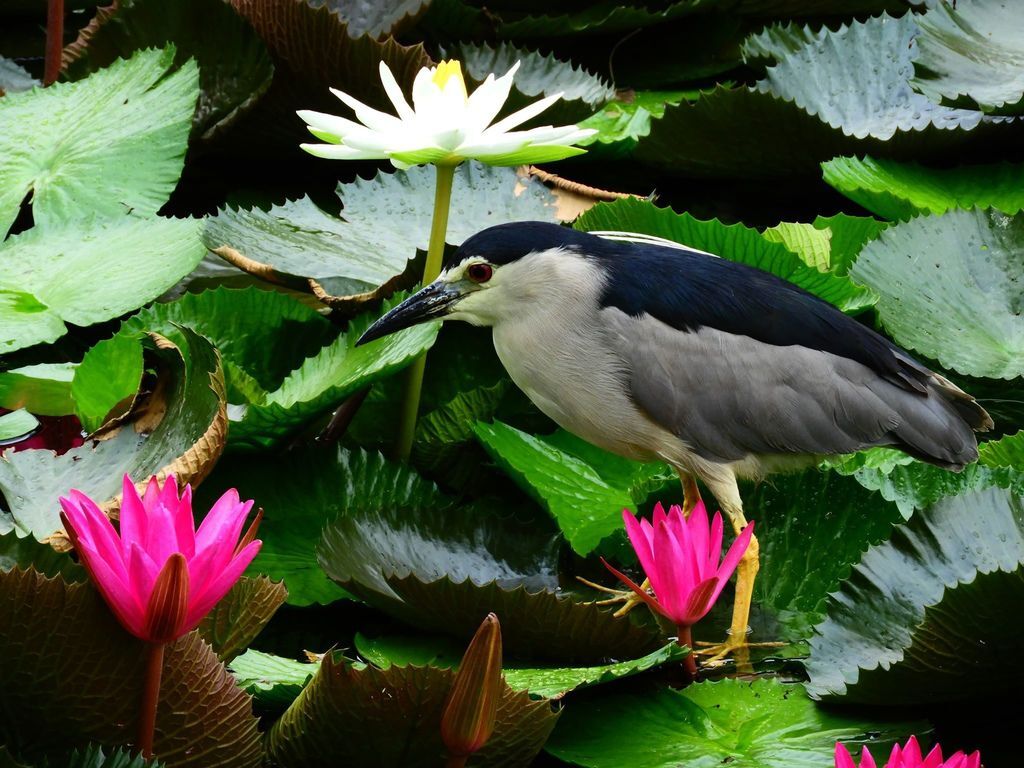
x=658, y=352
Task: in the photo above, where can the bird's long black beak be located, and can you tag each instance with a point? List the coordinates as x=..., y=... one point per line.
x=430, y=303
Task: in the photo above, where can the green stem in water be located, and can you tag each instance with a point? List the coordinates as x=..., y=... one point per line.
x=435, y=252
x=150, y=698
x=685, y=638
x=54, y=40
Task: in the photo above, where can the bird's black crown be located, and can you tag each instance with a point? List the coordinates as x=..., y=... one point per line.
x=505, y=243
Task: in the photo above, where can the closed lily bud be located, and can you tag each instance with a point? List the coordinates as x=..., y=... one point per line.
x=472, y=706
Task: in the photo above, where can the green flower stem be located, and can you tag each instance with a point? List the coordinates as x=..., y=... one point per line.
x=435, y=251
x=150, y=698
x=455, y=761
x=685, y=638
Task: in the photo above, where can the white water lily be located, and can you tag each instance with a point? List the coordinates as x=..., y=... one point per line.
x=444, y=125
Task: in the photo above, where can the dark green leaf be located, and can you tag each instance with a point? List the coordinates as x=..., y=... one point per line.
x=1006, y=452
x=731, y=241
x=93, y=756
x=904, y=190
x=547, y=682
x=187, y=440
x=111, y=144
x=973, y=52
x=43, y=389
x=234, y=66
x=763, y=723
x=109, y=375
x=240, y=615
x=353, y=714
x=828, y=244
x=932, y=614
x=87, y=686
x=958, y=277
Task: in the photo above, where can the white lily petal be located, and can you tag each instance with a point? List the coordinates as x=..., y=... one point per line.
x=340, y=152
x=387, y=143
x=394, y=92
x=526, y=113
x=334, y=124
x=498, y=146
x=424, y=91
x=372, y=118
x=486, y=101
x=533, y=154
x=420, y=156
x=545, y=134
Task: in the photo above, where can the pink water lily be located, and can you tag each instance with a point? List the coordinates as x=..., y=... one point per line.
x=160, y=576
x=908, y=757
x=682, y=558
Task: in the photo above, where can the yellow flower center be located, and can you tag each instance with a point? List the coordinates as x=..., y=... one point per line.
x=450, y=71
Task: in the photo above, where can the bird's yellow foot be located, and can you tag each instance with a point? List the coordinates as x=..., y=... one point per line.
x=627, y=597
x=734, y=645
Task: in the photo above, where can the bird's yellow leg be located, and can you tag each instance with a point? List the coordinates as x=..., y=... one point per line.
x=736, y=643
x=691, y=493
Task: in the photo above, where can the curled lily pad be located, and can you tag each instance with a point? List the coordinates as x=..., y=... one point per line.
x=240, y=615
x=180, y=428
x=932, y=614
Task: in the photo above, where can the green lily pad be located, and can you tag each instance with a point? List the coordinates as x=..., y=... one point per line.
x=933, y=614
x=273, y=681
x=1005, y=452
x=730, y=241
x=111, y=144
x=237, y=619
x=68, y=696
x=621, y=124
x=829, y=243
x=24, y=552
x=831, y=93
x=973, y=53
x=17, y=424
x=352, y=714
x=956, y=276
x=353, y=254
x=584, y=488
x=87, y=273
x=763, y=723
x=324, y=380
x=538, y=76
x=904, y=190
x=234, y=66
x=186, y=441
x=43, y=389
x=856, y=79
x=545, y=682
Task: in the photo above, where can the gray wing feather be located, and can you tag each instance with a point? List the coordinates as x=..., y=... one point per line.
x=729, y=396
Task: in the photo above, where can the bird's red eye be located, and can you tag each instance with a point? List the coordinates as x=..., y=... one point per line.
x=479, y=273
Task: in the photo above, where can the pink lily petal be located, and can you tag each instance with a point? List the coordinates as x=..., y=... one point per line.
x=670, y=587
x=866, y=760
x=700, y=601
x=94, y=529
x=185, y=524
x=640, y=541
x=715, y=541
x=912, y=752
x=653, y=604
x=133, y=521
x=699, y=533
x=221, y=517
x=142, y=573
x=843, y=757
x=219, y=586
